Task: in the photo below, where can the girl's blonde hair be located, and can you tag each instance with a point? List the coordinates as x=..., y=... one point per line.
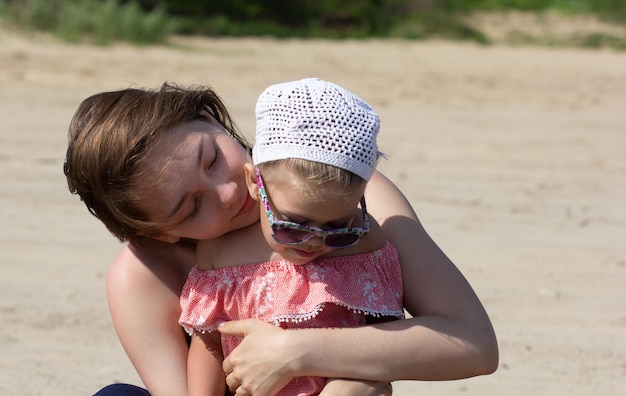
x=331, y=181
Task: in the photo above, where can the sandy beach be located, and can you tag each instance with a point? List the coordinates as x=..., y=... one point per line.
x=514, y=159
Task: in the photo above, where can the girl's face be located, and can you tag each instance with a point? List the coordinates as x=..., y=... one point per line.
x=294, y=199
x=200, y=184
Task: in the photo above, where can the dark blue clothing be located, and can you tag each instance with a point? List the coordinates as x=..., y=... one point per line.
x=122, y=390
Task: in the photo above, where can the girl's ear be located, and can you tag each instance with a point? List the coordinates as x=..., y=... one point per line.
x=250, y=172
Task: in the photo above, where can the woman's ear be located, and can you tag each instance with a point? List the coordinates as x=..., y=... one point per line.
x=162, y=237
x=207, y=115
x=250, y=172
x=167, y=238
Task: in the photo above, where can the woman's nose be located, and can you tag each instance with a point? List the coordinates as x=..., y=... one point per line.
x=226, y=194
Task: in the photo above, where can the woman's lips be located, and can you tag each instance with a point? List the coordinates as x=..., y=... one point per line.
x=249, y=203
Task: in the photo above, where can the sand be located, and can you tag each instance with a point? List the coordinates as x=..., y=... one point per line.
x=514, y=159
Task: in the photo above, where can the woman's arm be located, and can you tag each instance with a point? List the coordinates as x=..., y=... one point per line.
x=449, y=337
x=143, y=293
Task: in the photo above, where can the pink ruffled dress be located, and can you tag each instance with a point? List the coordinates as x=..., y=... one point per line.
x=327, y=292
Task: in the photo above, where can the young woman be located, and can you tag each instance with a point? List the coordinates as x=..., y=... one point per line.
x=164, y=168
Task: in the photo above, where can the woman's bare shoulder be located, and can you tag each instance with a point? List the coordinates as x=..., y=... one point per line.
x=385, y=201
x=136, y=268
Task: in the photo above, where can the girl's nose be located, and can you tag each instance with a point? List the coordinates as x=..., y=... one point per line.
x=315, y=241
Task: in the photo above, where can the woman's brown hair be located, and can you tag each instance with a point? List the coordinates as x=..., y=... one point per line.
x=111, y=134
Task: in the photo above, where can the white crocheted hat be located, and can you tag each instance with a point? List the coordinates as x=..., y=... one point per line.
x=319, y=121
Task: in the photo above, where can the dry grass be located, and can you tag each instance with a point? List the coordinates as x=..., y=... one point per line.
x=550, y=28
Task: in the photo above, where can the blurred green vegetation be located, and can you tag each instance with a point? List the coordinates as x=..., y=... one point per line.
x=96, y=21
x=153, y=21
x=612, y=10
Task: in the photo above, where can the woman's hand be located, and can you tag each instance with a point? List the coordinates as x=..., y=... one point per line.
x=259, y=366
x=262, y=364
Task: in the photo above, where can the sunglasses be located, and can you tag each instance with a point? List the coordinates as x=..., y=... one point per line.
x=290, y=233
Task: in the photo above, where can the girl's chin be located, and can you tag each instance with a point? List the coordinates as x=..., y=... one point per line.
x=303, y=257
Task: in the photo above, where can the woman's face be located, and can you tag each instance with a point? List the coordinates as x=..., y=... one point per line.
x=200, y=183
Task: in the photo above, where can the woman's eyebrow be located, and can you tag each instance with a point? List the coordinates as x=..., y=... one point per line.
x=182, y=200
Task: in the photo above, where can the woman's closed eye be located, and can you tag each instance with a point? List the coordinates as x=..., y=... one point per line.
x=210, y=162
x=197, y=203
x=213, y=160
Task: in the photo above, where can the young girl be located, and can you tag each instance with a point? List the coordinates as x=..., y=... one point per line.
x=316, y=259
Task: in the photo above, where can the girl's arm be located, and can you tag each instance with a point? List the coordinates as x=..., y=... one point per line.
x=204, y=366
x=346, y=387
x=449, y=337
x=143, y=294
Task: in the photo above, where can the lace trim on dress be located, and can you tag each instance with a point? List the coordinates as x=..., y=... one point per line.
x=304, y=317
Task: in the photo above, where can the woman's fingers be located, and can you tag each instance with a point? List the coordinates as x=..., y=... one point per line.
x=233, y=383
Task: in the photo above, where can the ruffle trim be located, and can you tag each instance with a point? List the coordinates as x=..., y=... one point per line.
x=301, y=317
x=280, y=292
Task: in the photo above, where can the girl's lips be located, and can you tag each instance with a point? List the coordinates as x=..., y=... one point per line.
x=305, y=254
